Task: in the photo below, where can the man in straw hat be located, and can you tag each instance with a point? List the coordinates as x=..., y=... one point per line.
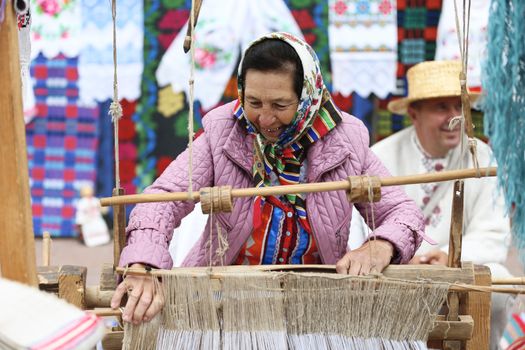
x=434, y=144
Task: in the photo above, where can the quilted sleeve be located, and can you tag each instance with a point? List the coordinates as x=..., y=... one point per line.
x=151, y=225
x=397, y=218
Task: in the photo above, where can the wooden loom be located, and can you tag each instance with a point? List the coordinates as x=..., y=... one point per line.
x=466, y=323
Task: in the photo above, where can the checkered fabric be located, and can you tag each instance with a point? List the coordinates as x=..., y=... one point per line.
x=61, y=145
x=417, y=22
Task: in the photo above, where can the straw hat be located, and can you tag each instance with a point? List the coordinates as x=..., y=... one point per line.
x=430, y=80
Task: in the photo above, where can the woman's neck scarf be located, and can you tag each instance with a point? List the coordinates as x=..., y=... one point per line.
x=316, y=115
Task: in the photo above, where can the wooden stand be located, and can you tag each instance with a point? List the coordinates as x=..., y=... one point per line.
x=17, y=243
x=67, y=282
x=119, y=227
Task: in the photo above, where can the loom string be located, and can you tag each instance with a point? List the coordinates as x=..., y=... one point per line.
x=370, y=207
x=115, y=109
x=210, y=239
x=192, y=99
x=463, y=34
x=222, y=246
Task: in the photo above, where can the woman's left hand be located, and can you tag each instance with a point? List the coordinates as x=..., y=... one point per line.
x=373, y=256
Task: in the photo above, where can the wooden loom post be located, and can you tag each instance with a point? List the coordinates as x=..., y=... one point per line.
x=454, y=253
x=119, y=227
x=456, y=225
x=475, y=304
x=17, y=242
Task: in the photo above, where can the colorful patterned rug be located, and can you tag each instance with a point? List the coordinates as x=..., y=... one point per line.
x=61, y=146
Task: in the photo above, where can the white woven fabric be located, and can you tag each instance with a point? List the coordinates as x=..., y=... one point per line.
x=363, y=46
x=24, y=47
x=55, y=28
x=224, y=29
x=31, y=319
x=95, y=64
x=447, y=40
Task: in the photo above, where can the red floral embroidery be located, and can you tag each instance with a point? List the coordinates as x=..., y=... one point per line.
x=340, y=7
x=385, y=7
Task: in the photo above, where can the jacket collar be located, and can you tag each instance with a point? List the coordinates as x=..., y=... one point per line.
x=239, y=147
x=324, y=155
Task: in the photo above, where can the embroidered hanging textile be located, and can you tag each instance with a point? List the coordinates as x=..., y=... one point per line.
x=447, y=47
x=224, y=29
x=55, y=28
x=95, y=64
x=363, y=46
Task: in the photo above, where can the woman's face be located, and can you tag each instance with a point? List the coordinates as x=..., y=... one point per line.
x=270, y=101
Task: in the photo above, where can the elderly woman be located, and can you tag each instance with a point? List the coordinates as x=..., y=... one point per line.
x=283, y=129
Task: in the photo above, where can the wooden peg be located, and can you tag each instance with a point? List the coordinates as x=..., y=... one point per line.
x=187, y=40
x=46, y=249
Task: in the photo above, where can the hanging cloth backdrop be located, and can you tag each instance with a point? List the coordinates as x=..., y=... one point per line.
x=95, y=64
x=417, y=22
x=363, y=46
x=504, y=105
x=61, y=146
x=24, y=47
x=447, y=38
x=224, y=29
x=160, y=136
x=55, y=28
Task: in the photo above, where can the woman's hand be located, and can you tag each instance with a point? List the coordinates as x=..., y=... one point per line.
x=373, y=256
x=143, y=303
x=433, y=257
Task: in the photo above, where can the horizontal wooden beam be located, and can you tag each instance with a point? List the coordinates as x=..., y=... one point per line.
x=301, y=188
x=96, y=298
x=434, y=273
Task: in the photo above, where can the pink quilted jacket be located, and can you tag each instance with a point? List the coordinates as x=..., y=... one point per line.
x=222, y=155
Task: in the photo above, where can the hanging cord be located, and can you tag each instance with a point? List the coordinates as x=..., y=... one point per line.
x=115, y=109
x=372, y=216
x=466, y=120
x=191, y=100
x=222, y=244
x=210, y=242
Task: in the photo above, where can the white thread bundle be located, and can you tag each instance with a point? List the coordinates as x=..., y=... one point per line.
x=274, y=310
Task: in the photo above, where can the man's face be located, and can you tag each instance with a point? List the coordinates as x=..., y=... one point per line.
x=431, y=118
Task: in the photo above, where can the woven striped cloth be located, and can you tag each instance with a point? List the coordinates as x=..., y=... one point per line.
x=514, y=333
x=31, y=319
x=61, y=146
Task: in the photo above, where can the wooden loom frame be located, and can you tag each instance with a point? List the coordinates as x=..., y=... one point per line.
x=16, y=229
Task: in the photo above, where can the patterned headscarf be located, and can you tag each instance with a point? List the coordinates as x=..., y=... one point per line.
x=316, y=115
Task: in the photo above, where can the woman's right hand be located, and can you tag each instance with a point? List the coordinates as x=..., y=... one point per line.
x=143, y=301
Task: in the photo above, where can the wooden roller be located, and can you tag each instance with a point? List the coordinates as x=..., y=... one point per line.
x=216, y=199
x=364, y=189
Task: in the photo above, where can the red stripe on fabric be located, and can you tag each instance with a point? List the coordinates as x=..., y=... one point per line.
x=306, y=225
x=518, y=344
x=257, y=220
x=71, y=335
x=320, y=127
x=519, y=321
